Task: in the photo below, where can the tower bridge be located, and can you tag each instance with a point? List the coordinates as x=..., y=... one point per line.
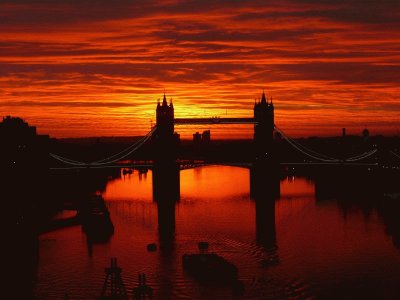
x=163, y=143
x=262, y=120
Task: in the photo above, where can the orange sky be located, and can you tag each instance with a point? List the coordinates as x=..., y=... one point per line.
x=97, y=68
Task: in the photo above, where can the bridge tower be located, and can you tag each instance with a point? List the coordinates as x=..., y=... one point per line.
x=264, y=127
x=166, y=180
x=164, y=134
x=265, y=169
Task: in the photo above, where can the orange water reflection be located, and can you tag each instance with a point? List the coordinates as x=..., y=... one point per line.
x=295, y=187
x=216, y=182
x=319, y=248
x=132, y=187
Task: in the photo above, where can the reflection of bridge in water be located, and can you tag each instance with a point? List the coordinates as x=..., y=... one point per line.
x=264, y=189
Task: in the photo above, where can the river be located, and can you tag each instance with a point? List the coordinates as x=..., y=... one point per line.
x=300, y=245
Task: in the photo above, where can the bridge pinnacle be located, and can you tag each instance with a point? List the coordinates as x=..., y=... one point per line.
x=164, y=99
x=263, y=99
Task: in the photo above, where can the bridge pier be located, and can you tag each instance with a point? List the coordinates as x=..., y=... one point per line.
x=265, y=179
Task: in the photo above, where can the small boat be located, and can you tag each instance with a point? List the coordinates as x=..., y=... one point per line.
x=210, y=268
x=96, y=220
x=152, y=247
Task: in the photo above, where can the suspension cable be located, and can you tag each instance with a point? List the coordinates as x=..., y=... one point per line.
x=125, y=155
x=126, y=149
x=358, y=156
x=120, y=155
x=368, y=154
x=66, y=160
x=310, y=155
x=310, y=150
x=294, y=144
x=354, y=158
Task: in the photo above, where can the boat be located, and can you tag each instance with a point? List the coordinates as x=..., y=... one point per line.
x=96, y=220
x=152, y=247
x=210, y=268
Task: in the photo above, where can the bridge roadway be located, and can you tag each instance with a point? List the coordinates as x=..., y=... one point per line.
x=190, y=165
x=213, y=120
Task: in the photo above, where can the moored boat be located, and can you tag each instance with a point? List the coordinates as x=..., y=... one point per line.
x=96, y=220
x=210, y=268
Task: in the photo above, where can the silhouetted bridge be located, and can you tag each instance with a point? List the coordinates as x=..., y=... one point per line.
x=248, y=165
x=264, y=129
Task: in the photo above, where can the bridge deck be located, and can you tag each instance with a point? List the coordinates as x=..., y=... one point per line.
x=214, y=120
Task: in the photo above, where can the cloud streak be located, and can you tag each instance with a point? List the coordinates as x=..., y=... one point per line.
x=328, y=64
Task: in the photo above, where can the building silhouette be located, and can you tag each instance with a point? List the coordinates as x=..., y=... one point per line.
x=15, y=127
x=197, y=138
x=177, y=138
x=202, y=138
x=206, y=136
x=21, y=146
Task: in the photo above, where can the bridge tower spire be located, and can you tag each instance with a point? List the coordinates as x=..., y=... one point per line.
x=164, y=99
x=263, y=98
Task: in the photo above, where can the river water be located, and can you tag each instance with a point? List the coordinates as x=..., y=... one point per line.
x=300, y=245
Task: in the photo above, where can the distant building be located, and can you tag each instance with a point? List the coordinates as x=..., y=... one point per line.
x=16, y=128
x=343, y=132
x=197, y=138
x=177, y=138
x=206, y=136
x=21, y=146
x=202, y=138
